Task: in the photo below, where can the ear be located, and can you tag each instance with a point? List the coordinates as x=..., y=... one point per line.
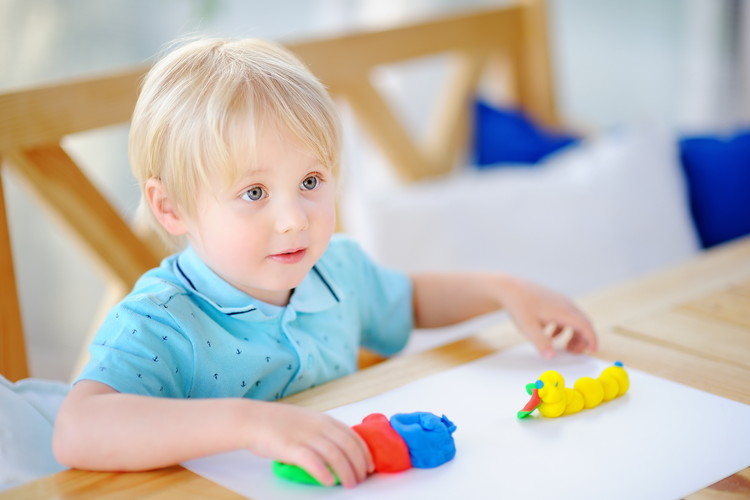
x=163, y=209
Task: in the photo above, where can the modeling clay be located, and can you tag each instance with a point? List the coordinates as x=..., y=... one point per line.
x=388, y=448
x=552, y=398
x=422, y=440
x=428, y=437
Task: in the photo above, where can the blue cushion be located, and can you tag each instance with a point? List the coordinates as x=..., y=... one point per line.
x=718, y=175
x=509, y=136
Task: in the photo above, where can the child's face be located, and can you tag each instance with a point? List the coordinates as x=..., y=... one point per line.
x=264, y=234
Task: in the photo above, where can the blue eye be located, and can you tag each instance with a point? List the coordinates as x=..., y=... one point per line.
x=255, y=193
x=310, y=183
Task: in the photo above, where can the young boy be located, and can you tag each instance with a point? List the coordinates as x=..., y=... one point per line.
x=236, y=146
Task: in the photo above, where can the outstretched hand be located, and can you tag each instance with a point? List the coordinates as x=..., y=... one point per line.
x=442, y=299
x=542, y=314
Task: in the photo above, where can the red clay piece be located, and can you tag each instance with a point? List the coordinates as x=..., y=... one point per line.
x=389, y=451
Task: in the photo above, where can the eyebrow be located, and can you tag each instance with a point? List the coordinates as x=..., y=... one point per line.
x=253, y=170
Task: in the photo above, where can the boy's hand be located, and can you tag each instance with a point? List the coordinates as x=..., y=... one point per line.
x=314, y=441
x=542, y=314
x=442, y=299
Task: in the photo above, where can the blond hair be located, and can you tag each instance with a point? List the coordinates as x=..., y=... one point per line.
x=184, y=129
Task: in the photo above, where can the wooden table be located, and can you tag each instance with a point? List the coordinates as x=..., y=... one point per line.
x=690, y=324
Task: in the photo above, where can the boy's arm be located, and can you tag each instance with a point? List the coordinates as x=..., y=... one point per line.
x=449, y=298
x=98, y=428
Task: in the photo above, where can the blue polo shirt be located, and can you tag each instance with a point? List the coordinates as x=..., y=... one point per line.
x=184, y=332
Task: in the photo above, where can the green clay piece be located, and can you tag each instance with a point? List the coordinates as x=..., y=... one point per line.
x=523, y=414
x=296, y=474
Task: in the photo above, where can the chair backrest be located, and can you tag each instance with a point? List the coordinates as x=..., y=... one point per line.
x=513, y=39
x=32, y=125
x=34, y=121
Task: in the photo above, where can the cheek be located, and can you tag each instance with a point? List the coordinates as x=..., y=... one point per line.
x=327, y=218
x=227, y=234
x=232, y=248
x=328, y=207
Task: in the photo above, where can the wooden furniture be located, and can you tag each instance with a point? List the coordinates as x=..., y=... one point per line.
x=33, y=122
x=696, y=315
x=511, y=41
x=690, y=324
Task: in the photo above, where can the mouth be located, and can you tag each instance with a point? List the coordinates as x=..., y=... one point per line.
x=291, y=256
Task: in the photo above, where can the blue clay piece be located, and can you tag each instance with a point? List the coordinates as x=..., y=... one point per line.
x=428, y=437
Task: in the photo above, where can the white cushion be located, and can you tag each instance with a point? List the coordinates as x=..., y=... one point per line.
x=587, y=217
x=27, y=415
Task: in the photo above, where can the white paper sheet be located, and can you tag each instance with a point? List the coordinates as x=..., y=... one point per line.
x=661, y=440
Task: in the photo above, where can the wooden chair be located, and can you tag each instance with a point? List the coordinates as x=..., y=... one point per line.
x=513, y=39
x=33, y=122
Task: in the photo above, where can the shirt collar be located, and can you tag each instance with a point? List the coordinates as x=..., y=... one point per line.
x=317, y=292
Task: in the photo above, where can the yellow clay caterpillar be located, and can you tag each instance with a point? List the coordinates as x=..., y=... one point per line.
x=550, y=396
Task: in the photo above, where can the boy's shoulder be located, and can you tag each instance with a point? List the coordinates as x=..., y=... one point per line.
x=158, y=285
x=157, y=303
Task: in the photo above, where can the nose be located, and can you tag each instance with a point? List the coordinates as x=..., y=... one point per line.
x=290, y=215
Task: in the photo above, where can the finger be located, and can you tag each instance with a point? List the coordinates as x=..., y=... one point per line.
x=369, y=462
x=311, y=462
x=560, y=335
x=344, y=451
x=355, y=448
x=566, y=331
x=584, y=332
x=556, y=330
x=577, y=344
x=551, y=329
x=339, y=462
x=537, y=336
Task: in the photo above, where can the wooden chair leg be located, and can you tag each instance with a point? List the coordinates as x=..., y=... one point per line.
x=13, y=363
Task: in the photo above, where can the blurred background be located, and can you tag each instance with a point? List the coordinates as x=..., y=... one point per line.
x=681, y=64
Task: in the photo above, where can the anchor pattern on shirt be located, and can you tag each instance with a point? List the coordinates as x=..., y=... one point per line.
x=303, y=358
